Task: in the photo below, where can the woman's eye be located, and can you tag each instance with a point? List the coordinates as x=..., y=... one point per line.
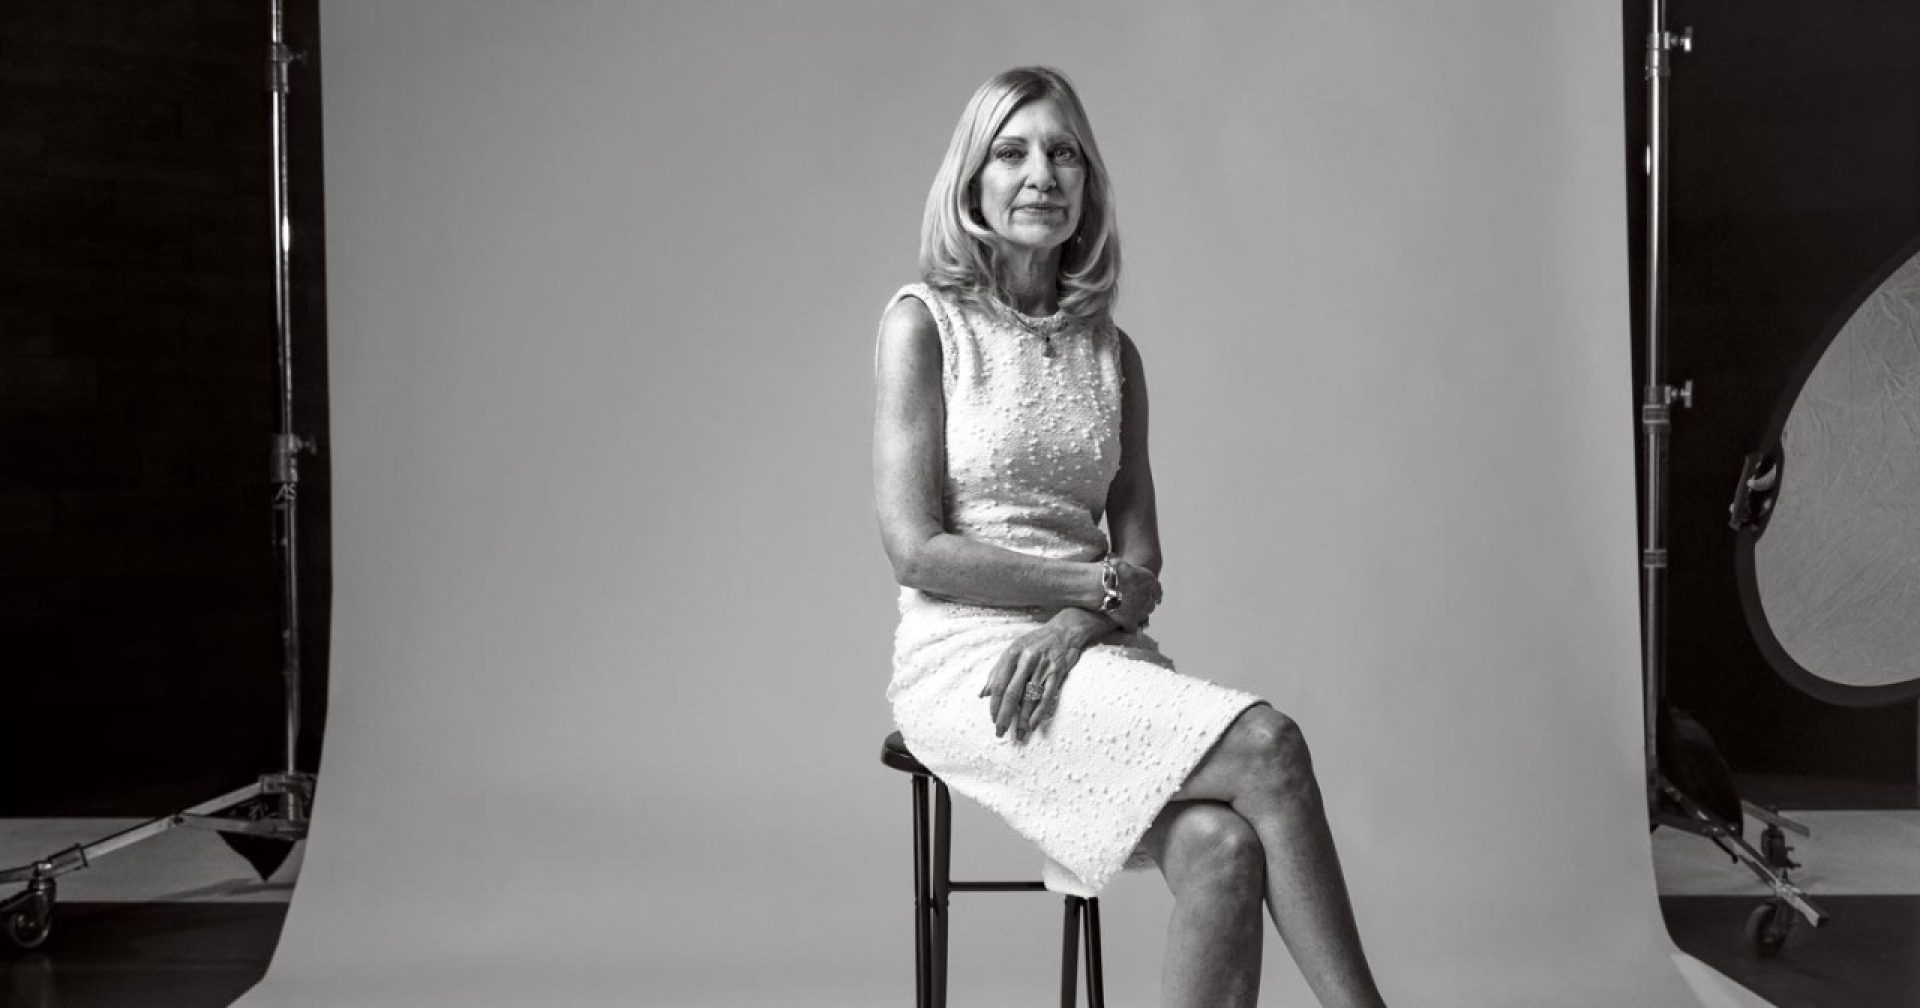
x=1066, y=154
x=1008, y=154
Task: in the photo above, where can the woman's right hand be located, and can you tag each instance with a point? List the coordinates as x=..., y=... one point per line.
x=1139, y=594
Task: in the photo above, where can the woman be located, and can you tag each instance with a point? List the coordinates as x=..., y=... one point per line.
x=1011, y=418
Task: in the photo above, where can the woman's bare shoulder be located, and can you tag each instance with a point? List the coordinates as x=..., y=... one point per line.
x=909, y=338
x=911, y=313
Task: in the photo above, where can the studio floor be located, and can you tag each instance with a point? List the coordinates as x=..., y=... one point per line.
x=182, y=922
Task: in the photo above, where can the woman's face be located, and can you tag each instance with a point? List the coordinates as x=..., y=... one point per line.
x=1030, y=188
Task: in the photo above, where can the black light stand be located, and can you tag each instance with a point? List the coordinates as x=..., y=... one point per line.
x=263, y=820
x=1667, y=805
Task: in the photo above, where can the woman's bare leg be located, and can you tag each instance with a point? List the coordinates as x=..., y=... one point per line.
x=1213, y=862
x=1261, y=768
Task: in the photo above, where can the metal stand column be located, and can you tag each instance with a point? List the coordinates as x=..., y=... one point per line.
x=1769, y=924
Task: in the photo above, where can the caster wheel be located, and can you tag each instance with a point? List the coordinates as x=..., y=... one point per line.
x=1767, y=928
x=30, y=920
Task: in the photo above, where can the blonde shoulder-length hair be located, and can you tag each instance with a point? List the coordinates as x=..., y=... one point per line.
x=958, y=252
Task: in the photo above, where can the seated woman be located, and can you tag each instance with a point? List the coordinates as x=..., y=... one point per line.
x=1011, y=418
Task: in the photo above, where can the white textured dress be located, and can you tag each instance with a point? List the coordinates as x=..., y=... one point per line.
x=1032, y=443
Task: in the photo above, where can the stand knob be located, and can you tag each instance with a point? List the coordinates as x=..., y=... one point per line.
x=287, y=449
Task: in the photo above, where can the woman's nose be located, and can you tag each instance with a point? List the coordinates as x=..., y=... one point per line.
x=1041, y=176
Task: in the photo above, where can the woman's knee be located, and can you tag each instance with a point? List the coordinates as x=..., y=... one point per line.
x=1274, y=751
x=1211, y=846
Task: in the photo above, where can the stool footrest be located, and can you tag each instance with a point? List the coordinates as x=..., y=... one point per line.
x=996, y=887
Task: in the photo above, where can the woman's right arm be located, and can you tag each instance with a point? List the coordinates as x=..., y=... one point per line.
x=909, y=466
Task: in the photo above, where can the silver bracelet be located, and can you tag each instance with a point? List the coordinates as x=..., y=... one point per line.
x=1110, y=584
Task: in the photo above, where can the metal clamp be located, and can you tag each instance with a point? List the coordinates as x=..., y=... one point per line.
x=287, y=449
x=1660, y=43
x=1657, y=411
x=279, y=58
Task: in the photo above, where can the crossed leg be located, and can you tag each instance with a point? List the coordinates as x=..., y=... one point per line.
x=1261, y=773
x=1214, y=865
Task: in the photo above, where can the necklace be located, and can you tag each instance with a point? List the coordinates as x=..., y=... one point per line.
x=1045, y=327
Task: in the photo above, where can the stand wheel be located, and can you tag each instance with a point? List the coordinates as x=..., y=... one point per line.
x=1767, y=928
x=29, y=919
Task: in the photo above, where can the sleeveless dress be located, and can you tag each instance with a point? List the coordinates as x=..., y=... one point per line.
x=1032, y=442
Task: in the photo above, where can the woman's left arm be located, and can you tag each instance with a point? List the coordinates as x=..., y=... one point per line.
x=1133, y=526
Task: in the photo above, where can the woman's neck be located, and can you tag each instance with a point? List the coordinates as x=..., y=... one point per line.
x=1030, y=281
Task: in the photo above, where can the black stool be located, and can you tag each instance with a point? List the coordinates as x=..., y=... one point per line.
x=931, y=884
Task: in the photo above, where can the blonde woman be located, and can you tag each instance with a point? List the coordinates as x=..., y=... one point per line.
x=1011, y=420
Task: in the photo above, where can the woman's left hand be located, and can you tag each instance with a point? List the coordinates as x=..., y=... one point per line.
x=1043, y=655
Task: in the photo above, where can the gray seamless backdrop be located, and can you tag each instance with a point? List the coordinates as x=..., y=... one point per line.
x=612, y=621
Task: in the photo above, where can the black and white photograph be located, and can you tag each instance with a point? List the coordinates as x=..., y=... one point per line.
x=1334, y=503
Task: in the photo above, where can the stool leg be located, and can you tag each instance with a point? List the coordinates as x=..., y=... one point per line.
x=942, y=882
x=922, y=901
x=1070, y=954
x=1096, y=983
